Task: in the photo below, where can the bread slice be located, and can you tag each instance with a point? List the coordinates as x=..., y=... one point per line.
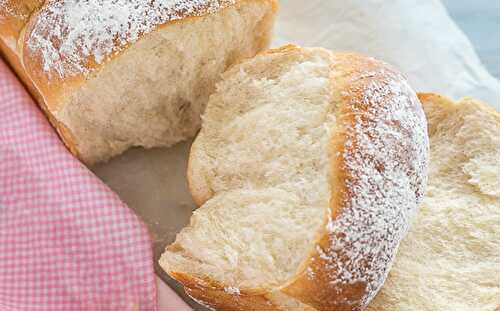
x=115, y=74
x=309, y=166
x=451, y=257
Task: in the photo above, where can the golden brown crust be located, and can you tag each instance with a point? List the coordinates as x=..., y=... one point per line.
x=54, y=86
x=318, y=291
x=14, y=14
x=312, y=290
x=438, y=107
x=13, y=60
x=439, y=112
x=17, y=22
x=212, y=294
x=315, y=284
x=416, y=281
x=14, y=17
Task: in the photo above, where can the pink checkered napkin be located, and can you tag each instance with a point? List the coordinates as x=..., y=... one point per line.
x=66, y=241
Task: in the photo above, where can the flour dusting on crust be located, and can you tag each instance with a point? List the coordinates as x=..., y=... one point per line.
x=3, y=6
x=232, y=290
x=69, y=35
x=6, y=10
x=378, y=150
x=385, y=160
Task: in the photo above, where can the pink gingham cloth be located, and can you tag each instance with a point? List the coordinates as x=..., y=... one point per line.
x=67, y=242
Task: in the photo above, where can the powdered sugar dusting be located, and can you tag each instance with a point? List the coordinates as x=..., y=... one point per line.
x=232, y=290
x=3, y=5
x=71, y=34
x=385, y=160
x=6, y=10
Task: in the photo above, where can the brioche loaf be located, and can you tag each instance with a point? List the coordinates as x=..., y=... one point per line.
x=309, y=168
x=116, y=74
x=451, y=257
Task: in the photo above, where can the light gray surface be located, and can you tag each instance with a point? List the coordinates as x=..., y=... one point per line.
x=480, y=20
x=153, y=183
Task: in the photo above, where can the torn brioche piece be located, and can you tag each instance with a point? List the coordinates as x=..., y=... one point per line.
x=309, y=168
x=451, y=257
x=116, y=74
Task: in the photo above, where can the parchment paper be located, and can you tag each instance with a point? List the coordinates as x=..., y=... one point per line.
x=417, y=36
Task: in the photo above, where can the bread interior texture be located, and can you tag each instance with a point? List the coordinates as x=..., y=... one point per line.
x=265, y=139
x=154, y=92
x=450, y=259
